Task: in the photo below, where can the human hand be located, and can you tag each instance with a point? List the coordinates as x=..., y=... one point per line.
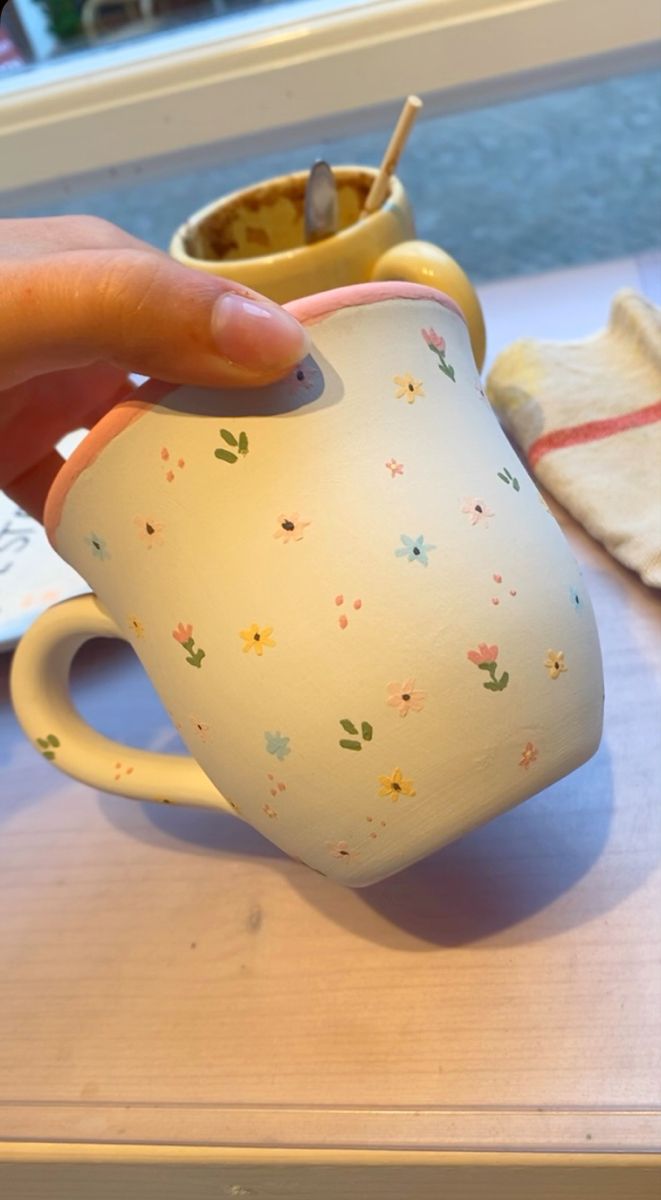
x=82, y=305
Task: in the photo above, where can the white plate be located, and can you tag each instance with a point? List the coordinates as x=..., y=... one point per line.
x=32, y=575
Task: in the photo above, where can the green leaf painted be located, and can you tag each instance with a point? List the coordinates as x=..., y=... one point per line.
x=50, y=754
x=226, y=456
x=516, y=485
x=347, y=745
x=43, y=743
x=243, y=443
x=53, y=741
x=367, y=731
x=492, y=685
x=503, y=681
x=349, y=726
x=503, y=477
x=228, y=437
x=490, y=666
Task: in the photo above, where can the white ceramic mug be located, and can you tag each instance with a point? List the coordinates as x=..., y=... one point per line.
x=347, y=591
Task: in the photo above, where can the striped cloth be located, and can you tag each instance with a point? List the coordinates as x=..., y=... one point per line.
x=587, y=416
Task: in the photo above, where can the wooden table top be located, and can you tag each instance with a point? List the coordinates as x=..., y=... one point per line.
x=166, y=976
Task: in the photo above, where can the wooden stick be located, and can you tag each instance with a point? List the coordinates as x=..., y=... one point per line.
x=379, y=188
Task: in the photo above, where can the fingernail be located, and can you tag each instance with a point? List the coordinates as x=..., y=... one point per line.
x=256, y=333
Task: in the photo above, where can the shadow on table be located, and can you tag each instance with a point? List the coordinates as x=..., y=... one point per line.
x=521, y=877
x=537, y=870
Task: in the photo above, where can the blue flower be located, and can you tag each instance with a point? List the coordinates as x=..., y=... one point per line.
x=414, y=549
x=98, y=546
x=278, y=744
x=575, y=599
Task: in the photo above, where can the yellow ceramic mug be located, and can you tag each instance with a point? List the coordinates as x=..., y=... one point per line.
x=255, y=236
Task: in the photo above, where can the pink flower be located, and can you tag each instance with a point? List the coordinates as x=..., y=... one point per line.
x=149, y=530
x=433, y=338
x=477, y=510
x=341, y=850
x=528, y=755
x=199, y=727
x=395, y=468
x=405, y=698
x=183, y=633
x=483, y=654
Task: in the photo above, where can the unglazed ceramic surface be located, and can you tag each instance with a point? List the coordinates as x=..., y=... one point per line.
x=355, y=604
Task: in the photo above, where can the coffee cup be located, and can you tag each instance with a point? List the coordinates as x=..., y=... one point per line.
x=255, y=236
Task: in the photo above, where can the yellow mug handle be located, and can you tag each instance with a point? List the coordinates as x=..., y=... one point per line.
x=423, y=262
x=39, y=685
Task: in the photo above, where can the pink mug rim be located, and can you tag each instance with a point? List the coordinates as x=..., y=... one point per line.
x=308, y=310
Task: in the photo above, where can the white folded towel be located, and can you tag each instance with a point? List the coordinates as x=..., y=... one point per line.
x=587, y=415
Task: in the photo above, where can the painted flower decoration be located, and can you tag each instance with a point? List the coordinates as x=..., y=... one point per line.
x=182, y=633
x=575, y=599
x=408, y=387
x=290, y=528
x=149, y=531
x=395, y=468
x=301, y=378
x=476, y=510
x=529, y=755
x=394, y=785
x=277, y=744
x=269, y=810
x=483, y=654
x=485, y=657
x=555, y=663
x=342, y=850
x=405, y=697
x=433, y=338
x=414, y=549
x=200, y=728
x=98, y=546
x=136, y=627
x=436, y=344
x=256, y=639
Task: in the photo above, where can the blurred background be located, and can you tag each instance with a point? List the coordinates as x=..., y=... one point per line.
x=559, y=178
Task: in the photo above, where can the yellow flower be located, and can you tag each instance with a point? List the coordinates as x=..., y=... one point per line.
x=409, y=387
x=394, y=786
x=555, y=663
x=136, y=627
x=256, y=639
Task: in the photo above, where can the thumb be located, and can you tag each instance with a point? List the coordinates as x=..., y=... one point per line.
x=142, y=312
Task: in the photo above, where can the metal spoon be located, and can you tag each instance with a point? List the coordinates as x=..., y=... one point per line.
x=321, y=213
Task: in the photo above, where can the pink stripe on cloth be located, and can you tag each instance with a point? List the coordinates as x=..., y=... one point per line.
x=592, y=431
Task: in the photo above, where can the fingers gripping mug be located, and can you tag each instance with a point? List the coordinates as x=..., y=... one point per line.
x=347, y=591
x=255, y=236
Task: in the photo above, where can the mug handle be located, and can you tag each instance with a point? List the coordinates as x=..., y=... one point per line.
x=423, y=262
x=39, y=686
